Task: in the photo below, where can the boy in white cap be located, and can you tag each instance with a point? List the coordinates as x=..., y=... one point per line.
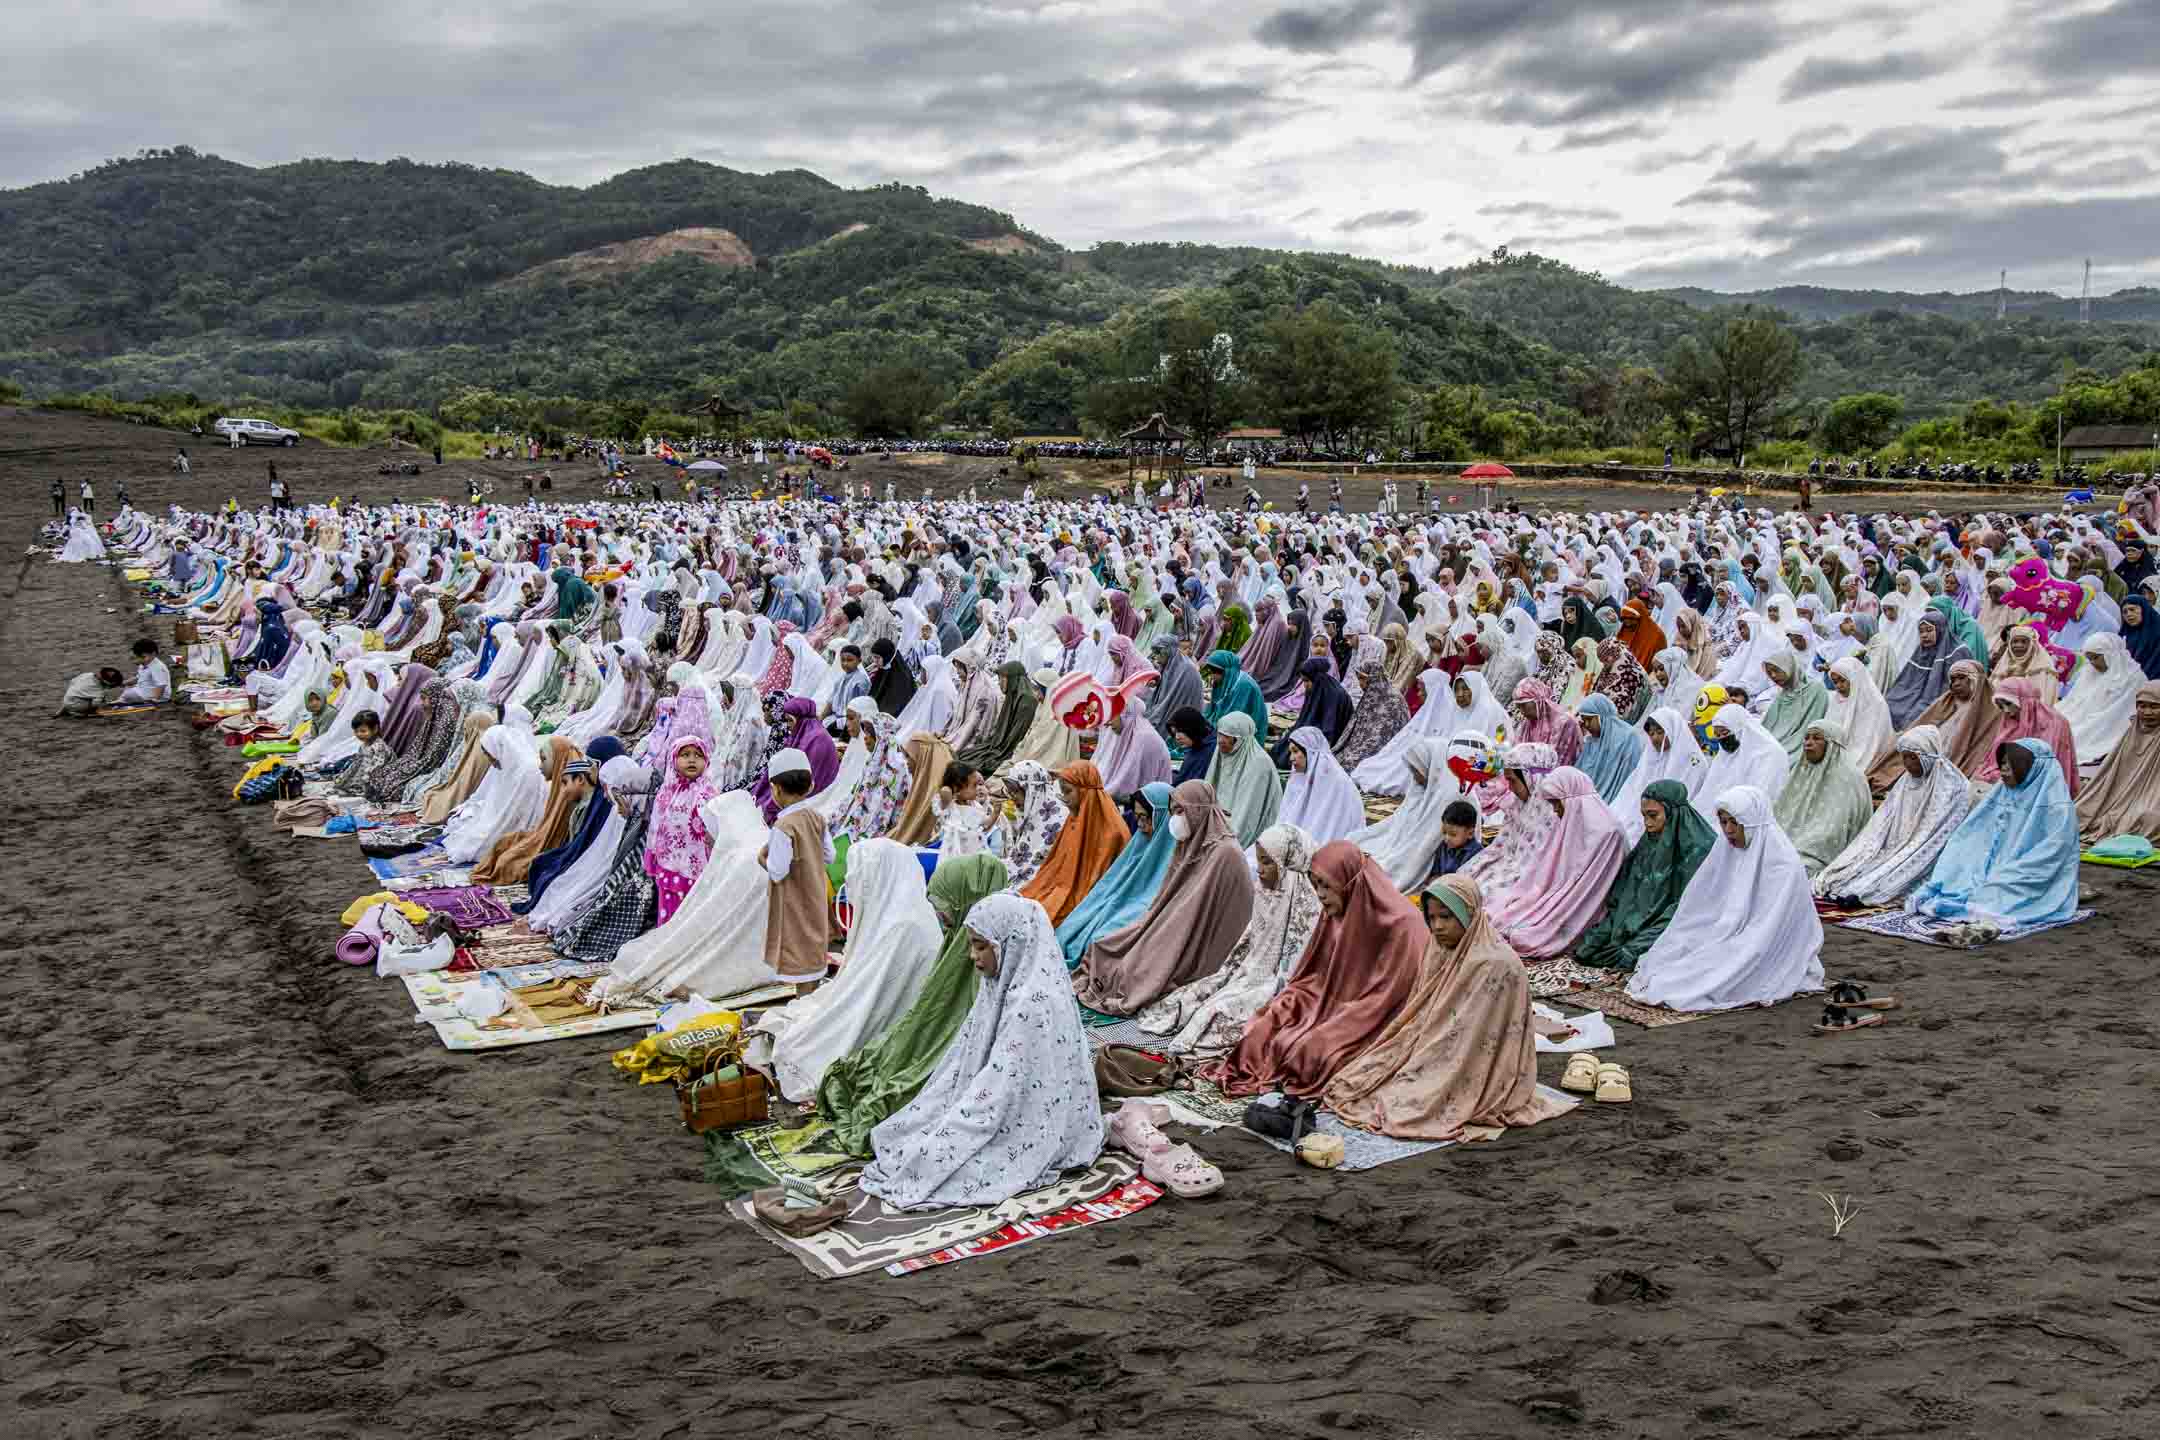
x=797, y=925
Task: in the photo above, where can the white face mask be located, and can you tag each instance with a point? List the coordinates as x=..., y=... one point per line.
x=1180, y=828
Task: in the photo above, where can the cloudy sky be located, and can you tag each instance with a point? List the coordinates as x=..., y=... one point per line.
x=1920, y=144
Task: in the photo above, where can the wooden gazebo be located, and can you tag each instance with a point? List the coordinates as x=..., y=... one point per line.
x=1163, y=446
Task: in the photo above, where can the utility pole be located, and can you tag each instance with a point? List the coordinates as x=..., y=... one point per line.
x=2085, y=299
x=2002, y=297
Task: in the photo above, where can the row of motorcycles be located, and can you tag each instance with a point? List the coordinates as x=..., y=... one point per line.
x=2024, y=472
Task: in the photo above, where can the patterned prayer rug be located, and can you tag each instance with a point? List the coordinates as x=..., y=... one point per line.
x=1929, y=931
x=1617, y=1004
x=875, y=1236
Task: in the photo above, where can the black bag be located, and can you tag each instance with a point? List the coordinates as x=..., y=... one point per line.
x=1291, y=1120
x=291, y=784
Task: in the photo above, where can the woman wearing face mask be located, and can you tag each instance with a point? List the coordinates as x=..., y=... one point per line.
x=1203, y=905
x=1128, y=887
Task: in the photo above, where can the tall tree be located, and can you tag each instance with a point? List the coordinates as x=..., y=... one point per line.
x=1738, y=375
x=1860, y=422
x=1321, y=375
x=894, y=399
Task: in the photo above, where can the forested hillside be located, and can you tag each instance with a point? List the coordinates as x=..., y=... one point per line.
x=330, y=284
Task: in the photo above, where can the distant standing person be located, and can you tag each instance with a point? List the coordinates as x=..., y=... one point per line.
x=1807, y=495
x=59, y=497
x=89, y=498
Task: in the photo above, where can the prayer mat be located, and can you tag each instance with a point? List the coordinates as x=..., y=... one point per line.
x=875, y=1236
x=1562, y=976
x=431, y=859
x=1617, y=1004
x=472, y=907
x=1929, y=931
x=541, y=1007
x=1824, y=910
x=2087, y=856
x=1131, y=1197
x=114, y=712
x=1379, y=807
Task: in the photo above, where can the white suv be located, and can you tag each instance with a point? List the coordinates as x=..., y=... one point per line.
x=256, y=432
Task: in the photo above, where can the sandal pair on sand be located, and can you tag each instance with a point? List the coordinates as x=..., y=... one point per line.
x=1607, y=1082
x=1845, y=997
x=1177, y=1168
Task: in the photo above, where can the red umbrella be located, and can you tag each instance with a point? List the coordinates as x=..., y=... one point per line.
x=1488, y=470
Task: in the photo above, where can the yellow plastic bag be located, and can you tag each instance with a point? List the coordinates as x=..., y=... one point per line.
x=683, y=1052
x=360, y=907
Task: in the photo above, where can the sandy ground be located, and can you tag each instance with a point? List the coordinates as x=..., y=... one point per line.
x=244, y=1194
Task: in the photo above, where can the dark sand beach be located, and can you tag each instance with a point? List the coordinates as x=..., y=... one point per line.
x=243, y=1193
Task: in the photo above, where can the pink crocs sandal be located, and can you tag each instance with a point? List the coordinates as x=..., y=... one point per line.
x=1180, y=1170
x=1133, y=1130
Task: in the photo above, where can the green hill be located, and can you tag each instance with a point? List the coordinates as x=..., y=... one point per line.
x=330, y=284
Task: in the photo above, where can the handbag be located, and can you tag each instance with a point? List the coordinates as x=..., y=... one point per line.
x=1281, y=1117
x=1129, y=1070
x=724, y=1099
x=186, y=632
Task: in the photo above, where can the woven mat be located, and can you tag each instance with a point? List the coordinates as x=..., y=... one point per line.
x=877, y=1237
x=1929, y=931
x=1562, y=976
x=1206, y=1106
x=435, y=996
x=1617, y=1004
x=1379, y=807
x=1831, y=914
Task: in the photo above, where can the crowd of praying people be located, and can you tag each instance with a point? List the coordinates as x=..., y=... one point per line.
x=1300, y=797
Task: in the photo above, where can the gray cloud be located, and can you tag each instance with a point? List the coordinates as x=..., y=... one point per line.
x=1557, y=62
x=2119, y=39
x=1819, y=74
x=1610, y=135
x=1382, y=220
x=1318, y=29
x=1539, y=210
x=1821, y=217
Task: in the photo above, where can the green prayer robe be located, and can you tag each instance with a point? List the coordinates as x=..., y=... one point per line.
x=860, y=1090
x=1013, y=721
x=1651, y=880
x=1797, y=706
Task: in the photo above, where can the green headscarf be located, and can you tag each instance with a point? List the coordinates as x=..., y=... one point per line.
x=861, y=1089
x=1964, y=630
x=1246, y=785
x=1236, y=628
x=1822, y=807
x=1801, y=703
x=572, y=595
x=1235, y=691
x=1647, y=890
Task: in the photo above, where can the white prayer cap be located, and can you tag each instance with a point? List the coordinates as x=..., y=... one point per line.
x=788, y=761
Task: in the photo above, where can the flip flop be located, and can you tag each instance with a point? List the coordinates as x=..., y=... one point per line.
x=1853, y=996
x=1581, y=1075
x=1836, y=1020
x=1180, y=1170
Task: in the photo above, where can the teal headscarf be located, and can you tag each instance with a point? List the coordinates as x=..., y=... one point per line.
x=1127, y=888
x=572, y=595
x=1235, y=691
x=1963, y=629
x=1610, y=758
